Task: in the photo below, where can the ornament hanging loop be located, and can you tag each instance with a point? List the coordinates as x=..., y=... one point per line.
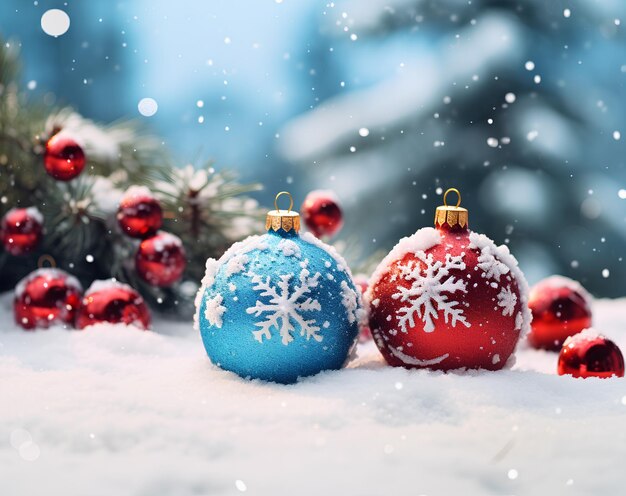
x=451, y=217
x=281, y=194
x=285, y=220
x=46, y=258
x=452, y=190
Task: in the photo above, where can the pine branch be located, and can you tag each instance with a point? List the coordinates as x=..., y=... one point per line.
x=208, y=210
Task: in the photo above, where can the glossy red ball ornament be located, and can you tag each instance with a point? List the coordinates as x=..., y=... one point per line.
x=161, y=259
x=21, y=230
x=321, y=213
x=64, y=159
x=561, y=308
x=47, y=297
x=448, y=298
x=589, y=354
x=113, y=302
x=361, y=282
x=139, y=214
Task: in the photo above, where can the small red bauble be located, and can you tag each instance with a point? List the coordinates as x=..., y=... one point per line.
x=139, y=214
x=561, y=308
x=21, y=230
x=589, y=354
x=63, y=159
x=46, y=297
x=448, y=298
x=365, y=334
x=321, y=213
x=113, y=302
x=161, y=259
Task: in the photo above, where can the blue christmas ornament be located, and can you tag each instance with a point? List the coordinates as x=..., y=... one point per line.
x=279, y=306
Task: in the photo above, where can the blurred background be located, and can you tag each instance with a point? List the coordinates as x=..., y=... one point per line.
x=521, y=105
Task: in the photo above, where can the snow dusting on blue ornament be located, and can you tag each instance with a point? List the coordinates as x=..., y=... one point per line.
x=279, y=306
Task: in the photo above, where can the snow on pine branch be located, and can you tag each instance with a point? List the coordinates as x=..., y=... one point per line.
x=98, y=142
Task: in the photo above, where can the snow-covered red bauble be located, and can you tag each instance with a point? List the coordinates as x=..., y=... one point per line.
x=21, y=230
x=589, y=354
x=64, y=158
x=113, y=302
x=139, y=214
x=47, y=297
x=447, y=298
x=561, y=308
x=321, y=213
x=161, y=259
x=279, y=306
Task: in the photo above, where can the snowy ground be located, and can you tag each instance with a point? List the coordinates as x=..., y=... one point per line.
x=117, y=411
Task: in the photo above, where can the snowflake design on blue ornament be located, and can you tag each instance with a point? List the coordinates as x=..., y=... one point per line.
x=429, y=292
x=282, y=306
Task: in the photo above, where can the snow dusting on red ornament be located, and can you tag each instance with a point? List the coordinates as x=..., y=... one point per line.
x=21, y=230
x=139, y=214
x=448, y=298
x=113, y=302
x=161, y=259
x=47, y=297
x=561, y=308
x=589, y=354
x=64, y=159
x=321, y=213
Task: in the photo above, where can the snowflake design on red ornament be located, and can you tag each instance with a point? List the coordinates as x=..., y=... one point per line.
x=430, y=291
x=507, y=300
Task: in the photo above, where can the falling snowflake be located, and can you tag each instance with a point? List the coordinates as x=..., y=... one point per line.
x=507, y=300
x=283, y=306
x=430, y=290
x=214, y=311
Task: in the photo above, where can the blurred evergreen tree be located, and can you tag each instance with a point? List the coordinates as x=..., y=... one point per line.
x=520, y=104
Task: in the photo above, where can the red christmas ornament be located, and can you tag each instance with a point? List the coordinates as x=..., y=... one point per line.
x=321, y=213
x=63, y=159
x=561, y=308
x=139, y=213
x=361, y=283
x=589, y=354
x=46, y=297
x=447, y=298
x=114, y=302
x=161, y=259
x=21, y=230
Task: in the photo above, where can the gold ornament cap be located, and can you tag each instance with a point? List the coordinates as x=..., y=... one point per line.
x=287, y=220
x=449, y=215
